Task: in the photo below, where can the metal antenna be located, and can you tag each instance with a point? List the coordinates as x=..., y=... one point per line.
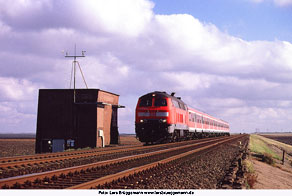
x=74, y=68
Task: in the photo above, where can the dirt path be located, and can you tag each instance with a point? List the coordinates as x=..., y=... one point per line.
x=270, y=177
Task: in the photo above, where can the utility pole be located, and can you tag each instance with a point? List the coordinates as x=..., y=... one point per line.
x=74, y=69
x=75, y=109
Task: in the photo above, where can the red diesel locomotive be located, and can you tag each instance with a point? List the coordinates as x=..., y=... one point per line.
x=162, y=117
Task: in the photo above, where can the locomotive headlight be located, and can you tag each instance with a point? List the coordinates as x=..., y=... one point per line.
x=162, y=114
x=141, y=121
x=164, y=120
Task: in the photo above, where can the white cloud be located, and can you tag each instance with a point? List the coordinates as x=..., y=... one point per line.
x=283, y=3
x=17, y=105
x=4, y=29
x=257, y=1
x=131, y=51
x=12, y=89
x=125, y=17
x=280, y=3
x=22, y=7
x=17, y=118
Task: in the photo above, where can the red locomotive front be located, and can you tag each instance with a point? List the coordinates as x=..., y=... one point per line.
x=152, y=117
x=158, y=114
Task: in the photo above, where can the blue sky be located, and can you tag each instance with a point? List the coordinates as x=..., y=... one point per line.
x=229, y=58
x=240, y=18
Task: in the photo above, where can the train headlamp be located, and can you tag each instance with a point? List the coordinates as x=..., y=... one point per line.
x=141, y=120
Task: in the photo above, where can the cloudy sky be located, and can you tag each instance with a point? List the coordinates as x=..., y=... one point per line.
x=229, y=58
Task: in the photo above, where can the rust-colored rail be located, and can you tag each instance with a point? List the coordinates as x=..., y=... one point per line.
x=32, y=177
x=40, y=159
x=123, y=174
x=4, y=161
x=9, y=161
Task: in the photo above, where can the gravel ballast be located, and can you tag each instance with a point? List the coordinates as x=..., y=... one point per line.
x=204, y=171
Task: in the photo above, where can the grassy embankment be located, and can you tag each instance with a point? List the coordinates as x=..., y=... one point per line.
x=264, y=146
x=260, y=147
x=264, y=149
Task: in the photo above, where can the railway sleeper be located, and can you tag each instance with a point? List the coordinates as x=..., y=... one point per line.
x=110, y=169
x=146, y=175
x=58, y=164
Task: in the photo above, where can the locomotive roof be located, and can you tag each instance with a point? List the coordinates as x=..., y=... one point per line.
x=163, y=94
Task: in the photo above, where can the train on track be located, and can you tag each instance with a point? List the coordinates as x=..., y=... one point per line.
x=161, y=117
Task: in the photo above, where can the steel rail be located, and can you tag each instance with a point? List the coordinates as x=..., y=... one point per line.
x=31, y=177
x=126, y=173
x=86, y=154
x=69, y=153
x=58, y=154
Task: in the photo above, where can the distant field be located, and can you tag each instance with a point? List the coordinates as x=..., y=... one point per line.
x=281, y=137
x=17, y=136
x=15, y=147
x=129, y=140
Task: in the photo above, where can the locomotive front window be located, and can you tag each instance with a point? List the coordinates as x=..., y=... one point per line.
x=146, y=102
x=160, y=102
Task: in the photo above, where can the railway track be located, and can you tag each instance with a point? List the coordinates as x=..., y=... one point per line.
x=16, y=166
x=101, y=173
x=5, y=161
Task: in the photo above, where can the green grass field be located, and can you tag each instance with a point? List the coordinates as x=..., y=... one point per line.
x=259, y=145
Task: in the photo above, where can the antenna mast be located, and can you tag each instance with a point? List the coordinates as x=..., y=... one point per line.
x=74, y=68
